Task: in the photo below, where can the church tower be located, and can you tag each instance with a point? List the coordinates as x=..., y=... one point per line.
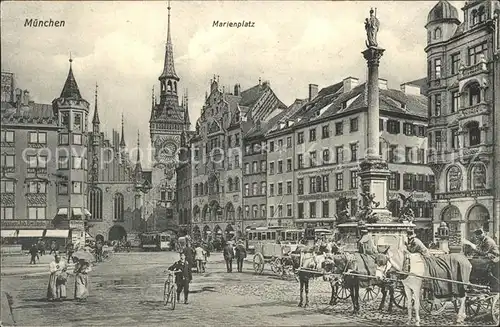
x=168, y=120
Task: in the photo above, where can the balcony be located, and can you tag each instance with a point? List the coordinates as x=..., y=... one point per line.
x=478, y=151
x=437, y=158
x=473, y=70
x=475, y=110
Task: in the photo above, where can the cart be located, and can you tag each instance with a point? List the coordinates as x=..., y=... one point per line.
x=279, y=258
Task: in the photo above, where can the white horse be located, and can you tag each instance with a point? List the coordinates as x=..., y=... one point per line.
x=309, y=261
x=412, y=284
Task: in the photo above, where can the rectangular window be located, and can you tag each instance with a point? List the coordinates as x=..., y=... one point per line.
x=280, y=145
x=339, y=181
x=455, y=100
x=77, y=162
x=62, y=188
x=437, y=68
x=236, y=161
x=289, y=187
x=271, y=189
x=408, y=129
x=8, y=161
x=248, y=149
x=300, y=210
x=339, y=128
x=77, y=139
x=255, y=167
x=280, y=211
x=37, y=162
x=409, y=154
x=380, y=124
x=37, y=187
x=65, y=119
x=354, y=179
x=247, y=189
x=289, y=142
x=312, y=185
x=7, y=136
x=438, y=140
x=354, y=207
x=263, y=166
x=394, y=181
x=455, y=63
x=263, y=188
x=312, y=159
x=393, y=126
x=312, y=209
x=37, y=137
x=326, y=183
x=326, y=156
x=263, y=210
x=421, y=156
x=354, y=152
x=455, y=143
x=77, y=188
x=36, y=213
x=247, y=168
x=354, y=124
x=312, y=135
x=77, y=122
x=7, y=213
x=339, y=150
x=280, y=166
x=325, y=209
x=271, y=168
x=300, y=186
x=407, y=182
x=271, y=146
x=289, y=210
x=476, y=52
x=437, y=105
x=288, y=164
x=7, y=187
x=300, y=161
x=280, y=188
x=63, y=163
x=300, y=138
x=271, y=211
x=325, y=132
x=236, y=139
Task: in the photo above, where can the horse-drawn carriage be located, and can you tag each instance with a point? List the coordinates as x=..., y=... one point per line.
x=278, y=256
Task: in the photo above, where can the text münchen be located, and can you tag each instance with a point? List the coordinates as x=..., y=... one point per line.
x=243, y=23
x=43, y=23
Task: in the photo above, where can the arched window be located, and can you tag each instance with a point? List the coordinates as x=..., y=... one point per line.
x=247, y=212
x=205, y=214
x=230, y=212
x=236, y=184
x=454, y=178
x=255, y=211
x=95, y=203
x=478, y=217
x=230, y=184
x=437, y=33
x=474, y=94
x=196, y=214
x=477, y=176
x=474, y=133
x=118, y=207
x=255, y=189
x=195, y=189
x=481, y=14
x=169, y=86
x=474, y=17
x=206, y=188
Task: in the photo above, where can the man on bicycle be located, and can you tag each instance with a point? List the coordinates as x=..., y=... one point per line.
x=183, y=276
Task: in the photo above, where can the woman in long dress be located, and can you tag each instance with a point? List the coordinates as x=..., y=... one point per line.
x=82, y=269
x=56, y=290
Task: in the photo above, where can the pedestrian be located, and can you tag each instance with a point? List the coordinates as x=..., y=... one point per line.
x=228, y=256
x=189, y=253
x=34, y=254
x=82, y=268
x=200, y=257
x=70, y=250
x=98, y=250
x=241, y=254
x=183, y=276
x=53, y=247
x=41, y=247
x=56, y=291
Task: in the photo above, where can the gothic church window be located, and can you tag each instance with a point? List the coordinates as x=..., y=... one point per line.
x=478, y=176
x=118, y=207
x=95, y=203
x=454, y=178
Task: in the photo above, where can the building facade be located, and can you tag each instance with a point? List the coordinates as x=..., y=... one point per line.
x=184, y=185
x=316, y=151
x=217, y=159
x=463, y=96
x=168, y=120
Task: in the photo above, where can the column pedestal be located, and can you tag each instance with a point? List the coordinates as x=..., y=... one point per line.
x=374, y=175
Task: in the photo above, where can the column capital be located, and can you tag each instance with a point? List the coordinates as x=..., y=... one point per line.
x=373, y=55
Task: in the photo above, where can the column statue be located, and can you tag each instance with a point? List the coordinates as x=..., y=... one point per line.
x=372, y=26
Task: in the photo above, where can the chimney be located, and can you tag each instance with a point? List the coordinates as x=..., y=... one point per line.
x=350, y=83
x=266, y=83
x=382, y=84
x=237, y=89
x=410, y=89
x=313, y=91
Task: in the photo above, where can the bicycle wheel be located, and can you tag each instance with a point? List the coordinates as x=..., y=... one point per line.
x=173, y=297
x=165, y=292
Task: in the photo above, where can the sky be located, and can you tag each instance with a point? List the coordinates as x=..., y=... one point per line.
x=121, y=45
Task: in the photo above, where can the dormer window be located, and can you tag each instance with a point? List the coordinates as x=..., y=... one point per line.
x=481, y=14
x=437, y=33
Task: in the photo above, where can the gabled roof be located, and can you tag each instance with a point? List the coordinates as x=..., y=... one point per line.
x=32, y=113
x=264, y=127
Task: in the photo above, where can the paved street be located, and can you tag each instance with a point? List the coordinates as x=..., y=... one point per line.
x=127, y=290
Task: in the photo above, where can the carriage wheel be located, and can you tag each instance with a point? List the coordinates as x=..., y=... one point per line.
x=343, y=292
x=472, y=307
x=258, y=263
x=370, y=293
x=431, y=306
x=399, y=297
x=273, y=265
x=495, y=309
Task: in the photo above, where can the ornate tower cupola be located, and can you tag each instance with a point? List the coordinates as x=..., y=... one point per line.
x=442, y=22
x=70, y=97
x=168, y=78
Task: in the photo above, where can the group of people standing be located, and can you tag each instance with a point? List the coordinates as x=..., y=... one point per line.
x=237, y=252
x=59, y=275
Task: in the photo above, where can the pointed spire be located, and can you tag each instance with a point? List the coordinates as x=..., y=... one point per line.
x=70, y=89
x=95, y=120
x=187, y=121
x=122, y=140
x=168, y=66
x=138, y=148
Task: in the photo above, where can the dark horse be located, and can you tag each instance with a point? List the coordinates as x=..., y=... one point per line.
x=360, y=264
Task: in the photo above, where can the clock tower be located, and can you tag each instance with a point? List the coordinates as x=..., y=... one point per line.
x=168, y=120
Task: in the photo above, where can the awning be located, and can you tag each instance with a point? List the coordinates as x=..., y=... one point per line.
x=77, y=212
x=58, y=233
x=8, y=233
x=87, y=213
x=62, y=212
x=30, y=233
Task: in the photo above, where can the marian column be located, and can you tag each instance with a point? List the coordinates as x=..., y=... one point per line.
x=374, y=170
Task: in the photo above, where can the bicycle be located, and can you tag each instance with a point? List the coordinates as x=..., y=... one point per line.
x=170, y=289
